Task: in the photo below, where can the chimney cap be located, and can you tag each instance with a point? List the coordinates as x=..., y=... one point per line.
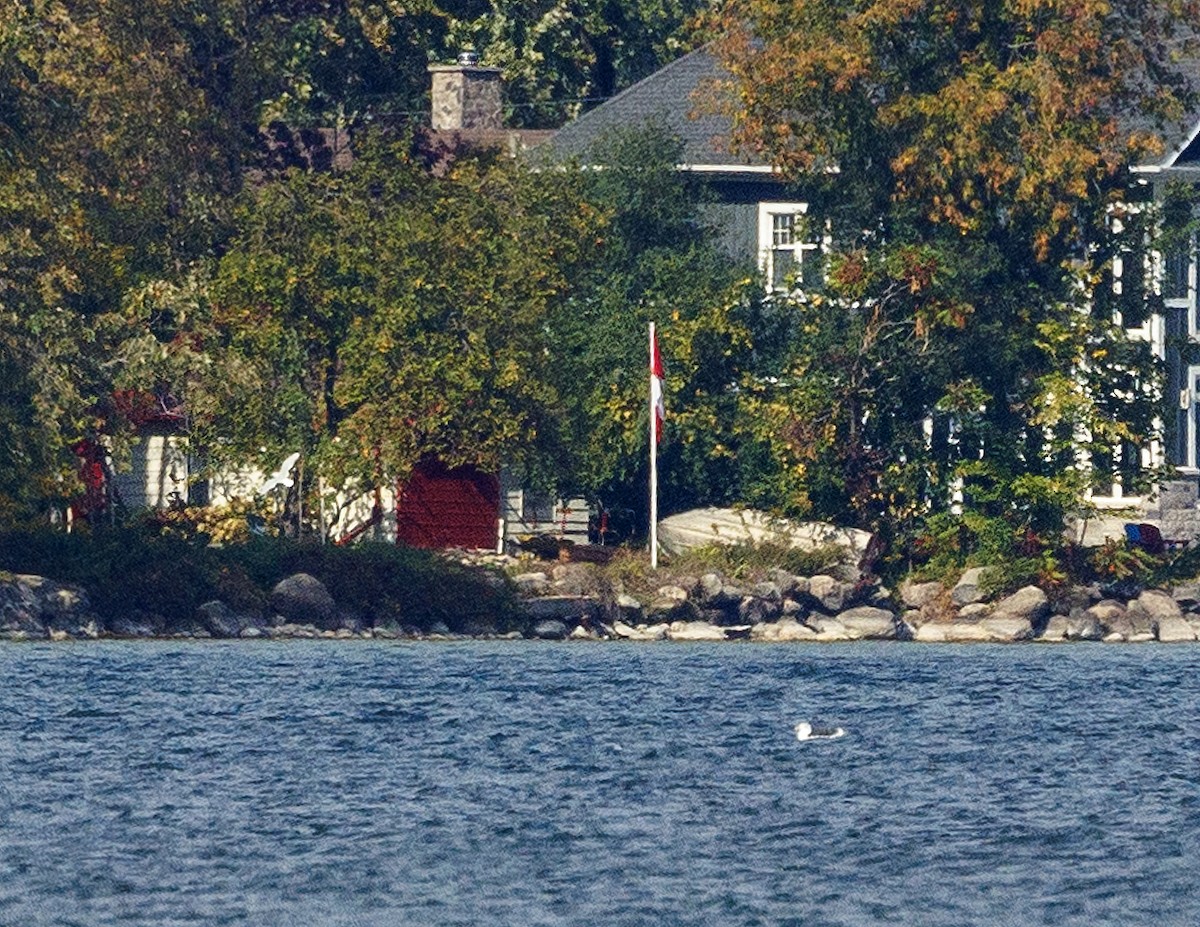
x=468, y=58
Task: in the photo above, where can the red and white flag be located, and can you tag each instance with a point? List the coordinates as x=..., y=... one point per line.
x=656, y=386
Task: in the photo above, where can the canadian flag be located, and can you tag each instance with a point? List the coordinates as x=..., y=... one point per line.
x=656, y=385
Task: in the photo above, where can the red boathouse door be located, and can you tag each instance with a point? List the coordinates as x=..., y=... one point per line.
x=444, y=507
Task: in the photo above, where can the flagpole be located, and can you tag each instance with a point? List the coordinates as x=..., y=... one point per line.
x=653, y=457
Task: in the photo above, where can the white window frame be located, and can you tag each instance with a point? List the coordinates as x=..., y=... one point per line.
x=806, y=246
x=1187, y=302
x=1191, y=458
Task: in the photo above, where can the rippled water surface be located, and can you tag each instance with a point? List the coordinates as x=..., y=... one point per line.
x=348, y=783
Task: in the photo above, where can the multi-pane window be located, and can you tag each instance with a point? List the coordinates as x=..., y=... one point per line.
x=790, y=247
x=1177, y=266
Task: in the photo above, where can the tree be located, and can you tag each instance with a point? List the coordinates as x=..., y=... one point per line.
x=557, y=57
x=374, y=318
x=659, y=261
x=114, y=168
x=965, y=154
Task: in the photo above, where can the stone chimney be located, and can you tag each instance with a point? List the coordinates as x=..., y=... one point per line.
x=465, y=95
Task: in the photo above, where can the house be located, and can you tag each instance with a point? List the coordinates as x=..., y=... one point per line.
x=755, y=214
x=758, y=216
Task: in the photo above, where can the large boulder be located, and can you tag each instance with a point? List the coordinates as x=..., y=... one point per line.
x=785, y=630
x=1026, y=604
x=33, y=606
x=918, y=595
x=654, y=632
x=536, y=583
x=550, y=630
x=1008, y=629
x=830, y=595
x=303, y=599
x=1173, y=630
x=968, y=588
x=695, y=631
x=570, y=609
x=951, y=632
x=1150, y=609
x=830, y=631
x=1085, y=626
x=220, y=620
x=869, y=622
x=754, y=609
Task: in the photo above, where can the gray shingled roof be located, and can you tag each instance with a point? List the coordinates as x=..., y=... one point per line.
x=667, y=98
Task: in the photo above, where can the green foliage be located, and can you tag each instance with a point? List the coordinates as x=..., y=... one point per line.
x=375, y=317
x=556, y=56
x=954, y=359
x=1114, y=561
x=658, y=261
x=749, y=561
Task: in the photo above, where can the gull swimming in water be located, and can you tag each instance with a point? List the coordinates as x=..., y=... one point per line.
x=806, y=731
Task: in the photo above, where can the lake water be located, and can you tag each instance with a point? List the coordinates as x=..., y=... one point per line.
x=373, y=783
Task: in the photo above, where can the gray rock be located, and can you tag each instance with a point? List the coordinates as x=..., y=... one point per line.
x=252, y=632
x=1027, y=604
x=784, y=581
x=1187, y=596
x=38, y=607
x=768, y=591
x=1141, y=618
x=571, y=609
x=1156, y=606
x=654, y=632
x=303, y=599
x=1008, y=629
x=966, y=590
x=830, y=630
x=1106, y=613
x=918, y=595
x=830, y=594
x=787, y=630
x=1085, y=626
x=869, y=622
x=130, y=626
x=793, y=609
x=695, y=631
x=1175, y=630
x=676, y=594
x=974, y=611
x=629, y=609
x=951, y=632
x=550, y=630
x=1056, y=629
x=754, y=610
x=537, y=583
x=668, y=608
x=219, y=619
x=708, y=588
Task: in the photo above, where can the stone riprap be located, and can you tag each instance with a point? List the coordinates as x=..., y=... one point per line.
x=555, y=604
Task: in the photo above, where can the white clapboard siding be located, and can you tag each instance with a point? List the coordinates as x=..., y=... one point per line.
x=158, y=474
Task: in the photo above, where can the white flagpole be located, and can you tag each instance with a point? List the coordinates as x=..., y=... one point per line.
x=653, y=461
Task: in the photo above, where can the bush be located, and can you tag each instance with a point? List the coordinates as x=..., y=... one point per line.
x=127, y=569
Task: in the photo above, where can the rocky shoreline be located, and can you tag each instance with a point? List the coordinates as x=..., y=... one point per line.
x=563, y=602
